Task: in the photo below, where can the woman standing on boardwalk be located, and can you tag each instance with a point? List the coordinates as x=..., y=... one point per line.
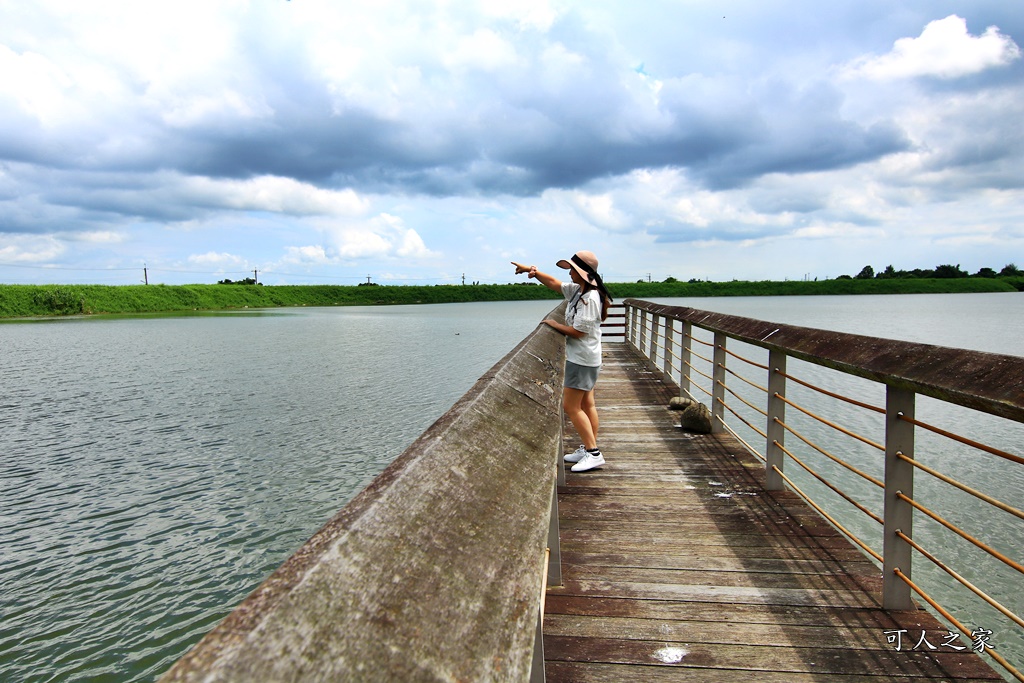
x=587, y=308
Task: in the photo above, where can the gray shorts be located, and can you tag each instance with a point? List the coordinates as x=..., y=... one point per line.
x=582, y=377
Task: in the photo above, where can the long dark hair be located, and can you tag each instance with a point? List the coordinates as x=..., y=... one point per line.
x=606, y=297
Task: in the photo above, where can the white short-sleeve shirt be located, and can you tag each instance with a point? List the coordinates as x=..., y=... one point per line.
x=584, y=314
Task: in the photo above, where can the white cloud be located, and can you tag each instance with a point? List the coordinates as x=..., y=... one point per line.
x=484, y=50
x=199, y=108
x=217, y=260
x=314, y=254
x=353, y=243
x=597, y=209
x=30, y=248
x=275, y=194
x=36, y=83
x=529, y=14
x=98, y=237
x=384, y=236
x=411, y=245
x=944, y=49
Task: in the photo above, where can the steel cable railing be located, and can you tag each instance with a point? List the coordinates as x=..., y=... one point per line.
x=956, y=622
x=977, y=591
x=706, y=392
x=747, y=361
x=834, y=395
x=967, y=442
x=835, y=489
x=749, y=405
x=702, y=374
x=832, y=520
x=700, y=341
x=743, y=420
x=963, y=487
x=961, y=533
x=750, y=383
x=735, y=394
x=839, y=461
x=833, y=425
x=739, y=438
x=918, y=372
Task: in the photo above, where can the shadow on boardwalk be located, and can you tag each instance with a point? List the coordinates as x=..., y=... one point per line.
x=678, y=565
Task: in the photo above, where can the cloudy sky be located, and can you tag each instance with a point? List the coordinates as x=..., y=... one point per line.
x=323, y=141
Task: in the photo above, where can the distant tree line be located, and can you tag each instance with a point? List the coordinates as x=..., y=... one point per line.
x=246, y=281
x=944, y=271
x=890, y=273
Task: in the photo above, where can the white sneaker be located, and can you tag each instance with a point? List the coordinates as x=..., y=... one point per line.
x=576, y=455
x=589, y=462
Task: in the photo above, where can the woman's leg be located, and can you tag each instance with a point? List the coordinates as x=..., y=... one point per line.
x=573, y=403
x=590, y=408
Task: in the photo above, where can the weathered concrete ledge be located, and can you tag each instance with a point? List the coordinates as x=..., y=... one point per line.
x=435, y=571
x=989, y=382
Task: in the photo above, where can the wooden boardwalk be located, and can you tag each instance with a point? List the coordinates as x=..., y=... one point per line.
x=678, y=566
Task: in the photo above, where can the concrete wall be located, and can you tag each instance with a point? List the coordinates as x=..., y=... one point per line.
x=433, y=572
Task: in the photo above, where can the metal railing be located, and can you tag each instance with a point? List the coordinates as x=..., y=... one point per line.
x=750, y=398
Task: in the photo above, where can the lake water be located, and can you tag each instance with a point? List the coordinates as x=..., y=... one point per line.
x=155, y=470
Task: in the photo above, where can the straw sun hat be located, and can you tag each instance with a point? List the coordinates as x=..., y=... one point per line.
x=584, y=263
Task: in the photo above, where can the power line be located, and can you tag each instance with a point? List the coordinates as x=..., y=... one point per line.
x=97, y=270
x=146, y=272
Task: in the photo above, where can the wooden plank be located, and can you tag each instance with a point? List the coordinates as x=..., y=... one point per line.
x=678, y=565
x=586, y=672
x=726, y=613
x=686, y=557
x=821, y=661
x=834, y=636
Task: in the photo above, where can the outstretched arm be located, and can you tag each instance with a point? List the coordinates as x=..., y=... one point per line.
x=549, y=281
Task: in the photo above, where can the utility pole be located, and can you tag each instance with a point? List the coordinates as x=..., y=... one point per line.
x=145, y=274
x=255, y=276
x=367, y=279
x=463, y=279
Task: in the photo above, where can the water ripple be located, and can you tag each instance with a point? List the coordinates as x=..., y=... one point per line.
x=155, y=471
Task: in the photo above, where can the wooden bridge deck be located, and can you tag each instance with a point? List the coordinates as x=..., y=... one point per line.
x=677, y=565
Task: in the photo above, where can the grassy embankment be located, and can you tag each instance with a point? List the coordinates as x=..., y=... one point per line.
x=49, y=300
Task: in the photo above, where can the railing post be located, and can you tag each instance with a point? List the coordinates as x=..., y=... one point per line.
x=898, y=514
x=554, y=544
x=625, y=323
x=774, y=455
x=554, y=561
x=643, y=332
x=631, y=326
x=666, y=365
x=718, y=388
x=685, y=354
x=635, y=327
x=655, y=322
x=537, y=672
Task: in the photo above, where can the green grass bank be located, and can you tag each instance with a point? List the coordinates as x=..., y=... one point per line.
x=26, y=301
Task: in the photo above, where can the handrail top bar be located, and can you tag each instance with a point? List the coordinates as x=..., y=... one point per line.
x=989, y=382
